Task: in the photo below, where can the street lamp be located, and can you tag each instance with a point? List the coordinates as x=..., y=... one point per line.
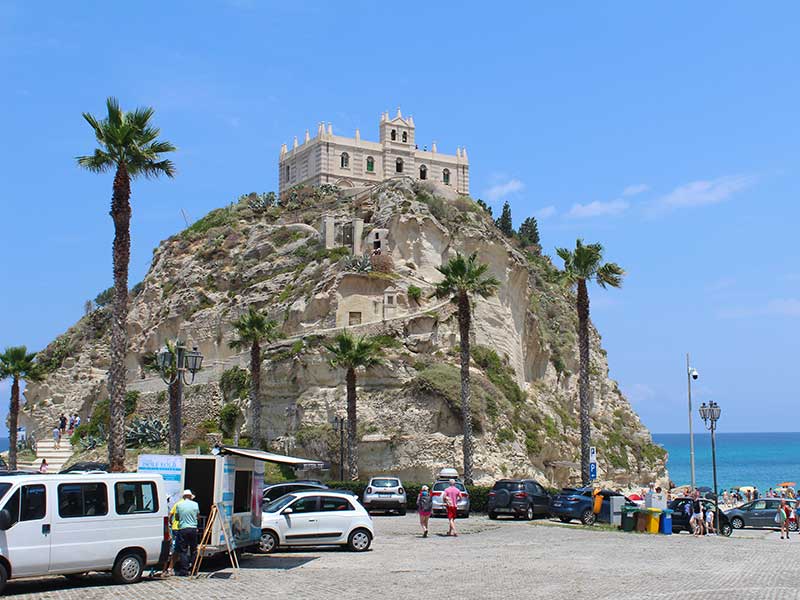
x=691, y=374
x=177, y=367
x=340, y=427
x=710, y=413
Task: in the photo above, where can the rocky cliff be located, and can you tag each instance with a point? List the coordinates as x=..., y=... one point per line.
x=295, y=261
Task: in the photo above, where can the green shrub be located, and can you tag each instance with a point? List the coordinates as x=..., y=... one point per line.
x=505, y=435
x=235, y=384
x=283, y=236
x=414, y=293
x=219, y=217
x=229, y=418
x=131, y=400
x=499, y=373
x=387, y=341
x=105, y=297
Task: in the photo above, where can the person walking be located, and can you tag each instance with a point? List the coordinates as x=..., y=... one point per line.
x=71, y=424
x=782, y=517
x=56, y=437
x=451, y=497
x=424, y=508
x=43, y=466
x=62, y=424
x=187, y=511
x=697, y=514
x=77, y=420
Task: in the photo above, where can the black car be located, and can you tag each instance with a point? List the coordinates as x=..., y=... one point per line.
x=680, y=516
x=518, y=497
x=84, y=466
x=578, y=504
x=276, y=490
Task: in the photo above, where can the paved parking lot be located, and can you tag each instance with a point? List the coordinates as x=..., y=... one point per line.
x=490, y=559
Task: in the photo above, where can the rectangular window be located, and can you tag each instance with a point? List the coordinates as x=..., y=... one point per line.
x=242, y=487
x=354, y=318
x=135, y=497
x=330, y=504
x=82, y=500
x=34, y=503
x=390, y=300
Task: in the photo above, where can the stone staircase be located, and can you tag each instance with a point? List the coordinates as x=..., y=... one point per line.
x=55, y=457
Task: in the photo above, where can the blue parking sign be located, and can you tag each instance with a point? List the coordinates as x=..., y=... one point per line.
x=592, y=471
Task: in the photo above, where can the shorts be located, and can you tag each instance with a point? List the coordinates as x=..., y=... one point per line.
x=452, y=512
x=424, y=513
x=709, y=517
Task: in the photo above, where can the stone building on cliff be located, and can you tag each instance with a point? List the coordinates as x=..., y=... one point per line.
x=353, y=162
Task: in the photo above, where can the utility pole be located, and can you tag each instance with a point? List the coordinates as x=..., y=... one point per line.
x=689, y=376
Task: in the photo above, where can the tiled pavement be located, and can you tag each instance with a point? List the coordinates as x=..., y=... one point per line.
x=491, y=559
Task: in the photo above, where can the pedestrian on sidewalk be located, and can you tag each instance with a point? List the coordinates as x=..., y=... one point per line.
x=43, y=466
x=56, y=437
x=451, y=497
x=424, y=508
x=187, y=512
x=782, y=517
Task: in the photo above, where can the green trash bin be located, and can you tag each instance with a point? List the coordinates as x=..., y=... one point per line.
x=628, y=518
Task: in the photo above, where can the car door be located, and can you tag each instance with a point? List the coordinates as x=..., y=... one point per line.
x=335, y=516
x=541, y=504
x=769, y=513
x=26, y=543
x=757, y=514
x=680, y=520
x=300, y=523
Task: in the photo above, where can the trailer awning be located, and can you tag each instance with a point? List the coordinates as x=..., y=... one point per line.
x=270, y=457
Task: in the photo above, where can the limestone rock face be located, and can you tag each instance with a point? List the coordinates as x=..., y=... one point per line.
x=524, y=373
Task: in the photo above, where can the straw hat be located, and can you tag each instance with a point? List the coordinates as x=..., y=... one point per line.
x=187, y=493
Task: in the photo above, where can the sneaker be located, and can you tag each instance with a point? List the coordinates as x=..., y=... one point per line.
x=425, y=533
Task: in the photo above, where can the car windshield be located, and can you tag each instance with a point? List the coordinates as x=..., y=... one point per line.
x=385, y=483
x=508, y=485
x=440, y=486
x=278, y=504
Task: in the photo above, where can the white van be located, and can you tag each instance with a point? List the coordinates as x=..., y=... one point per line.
x=79, y=522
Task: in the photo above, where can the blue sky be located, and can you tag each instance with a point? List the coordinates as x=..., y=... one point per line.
x=668, y=133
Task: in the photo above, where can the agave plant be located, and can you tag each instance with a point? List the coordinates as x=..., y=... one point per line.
x=358, y=264
x=146, y=431
x=90, y=442
x=261, y=202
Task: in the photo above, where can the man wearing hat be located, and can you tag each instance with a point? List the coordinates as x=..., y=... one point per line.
x=186, y=512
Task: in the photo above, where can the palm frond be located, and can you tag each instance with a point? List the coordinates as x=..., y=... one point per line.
x=99, y=162
x=610, y=274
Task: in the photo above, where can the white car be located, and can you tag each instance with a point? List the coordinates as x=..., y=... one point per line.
x=316, y=518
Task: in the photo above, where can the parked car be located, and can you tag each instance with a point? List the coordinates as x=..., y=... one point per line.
x=75, y=523
x=518, y=497
x=758, y=513
x=276, y=490
x=315, y=518
x=680, y=518
x=86, y=467
x=385, y=493
x=438, y=507
x=577, y=504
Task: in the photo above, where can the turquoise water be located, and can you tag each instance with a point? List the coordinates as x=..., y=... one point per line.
x=760, y=459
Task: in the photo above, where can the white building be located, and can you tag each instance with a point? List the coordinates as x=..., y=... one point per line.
x=351, y=162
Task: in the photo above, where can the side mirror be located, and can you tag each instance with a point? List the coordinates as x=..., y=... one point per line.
x=287, y=511
x=5, y=520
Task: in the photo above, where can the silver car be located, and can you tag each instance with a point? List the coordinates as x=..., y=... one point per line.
x=385, y=493
x=437, y=505
x=758, y=513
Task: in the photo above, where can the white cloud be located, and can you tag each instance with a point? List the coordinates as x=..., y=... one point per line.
x=633, y=190
x=779, y=307
x=598, y=209
x=501, y=190
x=545, y=213
x=701, y=193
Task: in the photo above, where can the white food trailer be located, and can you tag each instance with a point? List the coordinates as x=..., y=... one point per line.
x=233, y=477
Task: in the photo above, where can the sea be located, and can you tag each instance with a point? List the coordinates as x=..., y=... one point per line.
x=763, y=460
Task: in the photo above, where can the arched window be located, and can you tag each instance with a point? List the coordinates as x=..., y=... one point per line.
x=405, y=136
x=446, y=176
x=398, y=165
x=370, y=164
x=394, y=134
x=345, y=160
x=423, y=172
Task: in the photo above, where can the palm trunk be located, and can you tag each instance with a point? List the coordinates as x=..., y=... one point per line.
x=464, y=318
x=583, y=381
x=255, y=396
x=121, y=214
x=175, y=415
x=352, y=437
x=13, y=416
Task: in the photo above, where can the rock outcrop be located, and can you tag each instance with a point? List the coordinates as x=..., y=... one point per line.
x=275, y=258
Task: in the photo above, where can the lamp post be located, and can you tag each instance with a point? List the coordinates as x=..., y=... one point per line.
x=710, y=413
x=691, y=374
x=340, y=427
x=174, y=362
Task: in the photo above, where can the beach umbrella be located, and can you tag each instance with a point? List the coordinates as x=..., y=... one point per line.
x=787, y=484
x=634, y=497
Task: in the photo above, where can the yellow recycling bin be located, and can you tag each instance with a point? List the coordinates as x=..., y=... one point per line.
x=653, y=519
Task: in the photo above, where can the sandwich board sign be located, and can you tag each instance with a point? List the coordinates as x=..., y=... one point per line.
x=592, y=463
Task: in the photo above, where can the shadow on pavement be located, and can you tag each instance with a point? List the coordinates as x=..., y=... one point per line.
x=281, y=563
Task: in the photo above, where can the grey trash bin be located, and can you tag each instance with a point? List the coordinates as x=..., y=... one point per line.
x=617, y=502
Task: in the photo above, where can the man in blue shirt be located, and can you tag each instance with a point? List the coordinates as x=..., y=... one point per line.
x=186, y=512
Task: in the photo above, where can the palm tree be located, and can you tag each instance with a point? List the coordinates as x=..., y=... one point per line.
x=583, y=264
x=18, y=364
x=350, y=353
x=129, y=146
x=252, y=329
x=465, y=277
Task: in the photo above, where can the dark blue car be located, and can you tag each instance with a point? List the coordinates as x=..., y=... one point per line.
x=577, y=504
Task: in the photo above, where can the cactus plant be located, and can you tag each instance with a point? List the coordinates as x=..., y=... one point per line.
x=146, y=431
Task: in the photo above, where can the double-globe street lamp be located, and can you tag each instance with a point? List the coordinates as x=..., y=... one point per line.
x=177, y=367
x=710, y=413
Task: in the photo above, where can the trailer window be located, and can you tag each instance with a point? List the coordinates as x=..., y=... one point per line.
x=82, y=500
x=135, y=497
x=242, y=486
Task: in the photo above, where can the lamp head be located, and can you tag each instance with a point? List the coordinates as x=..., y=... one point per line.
x=694, y=374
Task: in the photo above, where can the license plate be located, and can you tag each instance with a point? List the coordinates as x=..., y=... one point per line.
x=384, y=494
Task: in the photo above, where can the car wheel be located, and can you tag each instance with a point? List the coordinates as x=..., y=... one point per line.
x=268, y=542
x=359, y=540
x=402, y=512
x=792, y=525
x=588, y=517
x=128, y=568
x=564, y=519
x=737, y=522
x=3, y=578
x=726, y=529
x=492, y=515
x=529, y=514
